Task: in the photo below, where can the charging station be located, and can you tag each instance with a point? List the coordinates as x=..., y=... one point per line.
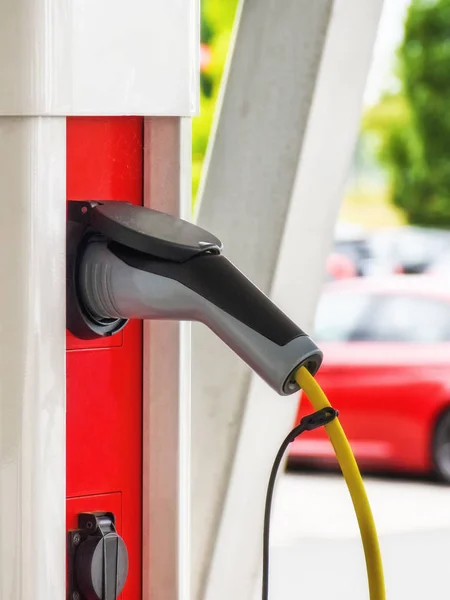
x=94, y=420
x=95, y=105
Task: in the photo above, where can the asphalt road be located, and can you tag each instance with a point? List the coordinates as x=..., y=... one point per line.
x=317, y=554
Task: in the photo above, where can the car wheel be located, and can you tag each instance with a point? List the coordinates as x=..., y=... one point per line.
x=441, y=447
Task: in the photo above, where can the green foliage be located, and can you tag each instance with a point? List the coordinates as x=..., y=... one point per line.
x=415, y=124
x=217, y=17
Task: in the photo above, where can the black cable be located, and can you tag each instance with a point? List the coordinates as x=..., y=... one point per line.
x=308, y=423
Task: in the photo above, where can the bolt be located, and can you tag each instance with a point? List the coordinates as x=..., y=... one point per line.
x=76, y=540
x=75, y=596
x=89, y=525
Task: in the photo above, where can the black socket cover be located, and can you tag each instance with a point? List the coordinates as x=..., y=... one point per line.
x=91, y=571
x=152, y=232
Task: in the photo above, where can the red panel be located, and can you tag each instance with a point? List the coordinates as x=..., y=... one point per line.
x=104, y=378
x=73, y=343
x=100, y=503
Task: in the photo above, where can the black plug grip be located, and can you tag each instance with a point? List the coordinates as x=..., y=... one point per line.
x=215, y=278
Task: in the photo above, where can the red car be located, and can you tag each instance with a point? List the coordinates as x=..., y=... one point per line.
x=386, y=345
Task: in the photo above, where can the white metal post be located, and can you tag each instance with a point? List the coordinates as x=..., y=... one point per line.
x=275, y=177
x=32, y=361
x=34, y=64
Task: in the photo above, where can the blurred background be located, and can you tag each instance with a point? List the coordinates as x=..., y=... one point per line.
x=383, y=320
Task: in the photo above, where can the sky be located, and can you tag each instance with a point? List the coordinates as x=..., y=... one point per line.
x=389, y=36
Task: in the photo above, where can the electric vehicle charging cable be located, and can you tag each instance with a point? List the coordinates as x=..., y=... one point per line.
x=326, y=416
x=161, y=267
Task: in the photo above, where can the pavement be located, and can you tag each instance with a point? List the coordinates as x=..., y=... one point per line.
x=316, y=553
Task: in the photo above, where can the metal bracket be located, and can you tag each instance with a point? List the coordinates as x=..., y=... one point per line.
x=79, y=322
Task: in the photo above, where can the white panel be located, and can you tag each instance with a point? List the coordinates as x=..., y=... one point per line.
x=137, y=57
x=99, y=57
x=167, y=187
x=32, y=358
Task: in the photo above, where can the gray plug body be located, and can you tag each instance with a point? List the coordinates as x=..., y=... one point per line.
x=112, y=288
x=128, y=262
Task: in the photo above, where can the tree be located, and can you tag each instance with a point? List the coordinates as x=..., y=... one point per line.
x=416, y=144
x=217, y=17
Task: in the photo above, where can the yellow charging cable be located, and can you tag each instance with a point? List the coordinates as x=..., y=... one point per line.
x=355, y=485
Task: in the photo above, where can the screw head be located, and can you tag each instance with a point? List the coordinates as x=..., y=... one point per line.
x=76, y=539
x=75, y=596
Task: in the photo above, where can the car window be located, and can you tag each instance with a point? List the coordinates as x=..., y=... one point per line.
x=355, y=250
x=340, y=315
x=410, y=319
x=357, y=317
